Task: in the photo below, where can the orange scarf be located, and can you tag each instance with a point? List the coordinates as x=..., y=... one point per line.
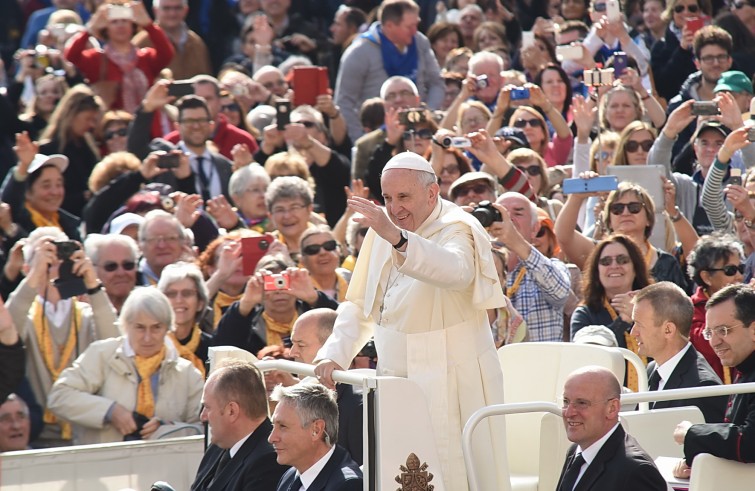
x=632, y=381
x=341, y=287
x=277, y=330
x=50, y=352
x=188, y=350
x=40, y=221
x=510, y=292
x=146, y=367
x=222, y=301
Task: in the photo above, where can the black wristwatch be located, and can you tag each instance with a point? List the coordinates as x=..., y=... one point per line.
x=404, y=240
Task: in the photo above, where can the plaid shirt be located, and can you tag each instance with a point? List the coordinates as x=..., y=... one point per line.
x=541, y=296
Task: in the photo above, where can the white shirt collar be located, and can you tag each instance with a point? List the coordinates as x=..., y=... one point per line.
x=591, y=452
x=56, y=313
x=234, y=449
x=309, y=476
x=669, y=366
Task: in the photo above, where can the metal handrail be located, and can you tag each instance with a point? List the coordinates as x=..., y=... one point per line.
x=638, y=397
x=340, y=376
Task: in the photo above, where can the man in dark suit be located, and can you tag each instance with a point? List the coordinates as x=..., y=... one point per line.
x=305, y=424
x=309, y=333
x=240, y=458
x=662, y=318
x=603, y=455
x=730, y=330
x=205, y=173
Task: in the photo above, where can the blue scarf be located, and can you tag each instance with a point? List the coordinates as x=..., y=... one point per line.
x=395, y=62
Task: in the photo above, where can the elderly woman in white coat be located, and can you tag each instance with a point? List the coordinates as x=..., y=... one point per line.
x=111, y=392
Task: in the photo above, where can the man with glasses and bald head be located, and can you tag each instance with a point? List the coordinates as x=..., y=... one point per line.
x=730, y=330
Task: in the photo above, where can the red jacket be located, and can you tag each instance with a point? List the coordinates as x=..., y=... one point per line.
x=226, y=136
x=699, y=299
x=149, y=60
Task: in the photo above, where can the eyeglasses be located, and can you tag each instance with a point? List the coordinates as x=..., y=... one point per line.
x=621, y=259
x=450, y=169
x=730, y=269
x=168, y=239
x=307, y=124
x=618, y=208
x=404, y=94
x=109, y=135
x=255, y=190
x=291, y=209
x=692, y=9
x=111, y=266
x=533, y=170
x=580, y=404
x=521, y=123
x=186, y=293
x=313, y=249
x=541, y=233
x=231, y=107
x=194, y=121
x=720, y=331
x=424, y=134
x=632, y=145
x=477, y=189
x=711, y=59
x=605, y=155
x=10, y=418
x=276, y=83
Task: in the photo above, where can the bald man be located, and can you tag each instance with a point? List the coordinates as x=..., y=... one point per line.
x=603, y=456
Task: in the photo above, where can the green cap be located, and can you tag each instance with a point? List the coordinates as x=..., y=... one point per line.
x=733, y=81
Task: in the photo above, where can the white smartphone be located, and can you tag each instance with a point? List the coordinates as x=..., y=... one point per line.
x=528, y=39
x=569, y=52
x=118, y=12
x=613, y=10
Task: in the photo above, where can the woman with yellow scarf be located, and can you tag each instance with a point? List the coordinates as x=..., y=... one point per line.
x=111, y=393
x=184, y=286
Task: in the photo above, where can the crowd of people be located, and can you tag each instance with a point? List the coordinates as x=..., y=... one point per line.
x=145, y=146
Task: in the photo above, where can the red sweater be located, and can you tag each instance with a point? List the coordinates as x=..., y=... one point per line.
x=149, y=60
x=225, y=137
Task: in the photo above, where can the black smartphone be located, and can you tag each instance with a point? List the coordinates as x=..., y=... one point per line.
x=282, y=114
x=168, y=161
x=180, y=88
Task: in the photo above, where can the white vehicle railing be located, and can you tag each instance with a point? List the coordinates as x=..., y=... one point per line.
x=639, y=397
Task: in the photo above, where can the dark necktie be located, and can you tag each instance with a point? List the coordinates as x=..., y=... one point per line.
x=203, y=179
x=225, y=457
x=296, y=485
x=654, y=380
x=571, y=474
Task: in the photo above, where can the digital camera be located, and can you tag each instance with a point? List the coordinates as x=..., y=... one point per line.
x=276, y=282
x=486, y=214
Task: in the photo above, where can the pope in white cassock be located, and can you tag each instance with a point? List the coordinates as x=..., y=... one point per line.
x=423, y=281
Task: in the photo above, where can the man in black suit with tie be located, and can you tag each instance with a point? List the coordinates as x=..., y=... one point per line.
x=603, y=456
x=730, y=330
x=240, y=458
x=662, y=318
x=305, y=425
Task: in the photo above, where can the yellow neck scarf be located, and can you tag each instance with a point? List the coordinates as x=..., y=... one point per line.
x=40, y=221
x=341, y=287
x=222, y=301
x=277, y=330
x=631, y=342
x=50, y=352
x=146, y=367
x=510, y=292
x=189, y=349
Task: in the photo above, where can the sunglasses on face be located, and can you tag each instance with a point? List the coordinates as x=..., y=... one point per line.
x=730, y=269
x=605, y=155
x=632, y=145
x=541, y=232
x=634, y=208
x=533, y=170
x=424, y=134
x=692, y=9
x=620, y=259
x=109, y=135
x=477, y=189
x=231, y=107
x=313, y=249
x=521, y=123
x=111, y=266
x=308, y=124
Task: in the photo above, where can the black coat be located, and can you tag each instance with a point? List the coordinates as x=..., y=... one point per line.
x=253, y=468
x=340, y=473
x=693, y=371
x=350, y=421
x=620, y=465
x=734, y=439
